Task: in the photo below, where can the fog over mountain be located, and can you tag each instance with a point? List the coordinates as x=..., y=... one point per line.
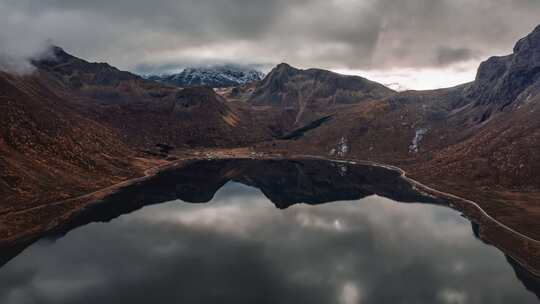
x=380, y=35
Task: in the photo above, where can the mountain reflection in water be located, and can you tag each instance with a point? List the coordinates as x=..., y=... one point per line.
x=238, y=248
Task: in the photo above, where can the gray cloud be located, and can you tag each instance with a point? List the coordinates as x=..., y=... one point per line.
x=18, y=42
x=335, y=34
x=447, y=55
x=177, y=66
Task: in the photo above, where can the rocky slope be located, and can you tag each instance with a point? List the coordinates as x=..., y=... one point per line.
x=505, y=81
x=214, y=77
x=48, y=151
x=501, y=107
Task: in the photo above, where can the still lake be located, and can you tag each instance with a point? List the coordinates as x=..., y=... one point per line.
x=265, y=232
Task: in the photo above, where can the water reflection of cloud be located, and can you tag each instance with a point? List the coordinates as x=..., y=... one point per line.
x=307, y=220
x=350, y=294
x=451, y=296
x=229, y=213
x=241, y=247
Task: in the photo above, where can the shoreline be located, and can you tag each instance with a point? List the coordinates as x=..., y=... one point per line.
x=95, y=196
x=428, y=189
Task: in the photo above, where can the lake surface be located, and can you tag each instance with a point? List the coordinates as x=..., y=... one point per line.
x=211, y=233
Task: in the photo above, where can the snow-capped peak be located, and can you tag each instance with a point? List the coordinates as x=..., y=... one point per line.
x=216, y=76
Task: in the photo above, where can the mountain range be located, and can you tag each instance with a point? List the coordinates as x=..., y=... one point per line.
x=215, y=77
x=74, y=127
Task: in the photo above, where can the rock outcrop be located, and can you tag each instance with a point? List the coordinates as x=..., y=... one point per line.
x=501, y=81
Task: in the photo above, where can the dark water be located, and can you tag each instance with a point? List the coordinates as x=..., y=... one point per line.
x=380, y=242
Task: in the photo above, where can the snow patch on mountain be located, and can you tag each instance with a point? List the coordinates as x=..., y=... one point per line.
x=418, y=136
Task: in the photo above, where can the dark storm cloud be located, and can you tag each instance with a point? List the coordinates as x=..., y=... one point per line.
x=334, y=34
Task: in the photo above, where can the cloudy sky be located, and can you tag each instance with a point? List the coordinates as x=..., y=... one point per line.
x=414, y=43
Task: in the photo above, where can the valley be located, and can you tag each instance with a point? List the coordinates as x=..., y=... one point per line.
x=74, y=132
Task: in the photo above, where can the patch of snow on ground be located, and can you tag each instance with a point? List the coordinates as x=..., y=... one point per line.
x=419, y=134
x=342, y=147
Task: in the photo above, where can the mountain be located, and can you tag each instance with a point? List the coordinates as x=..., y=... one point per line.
x=313, y=92
x=508, y=79
x=99, y=82
x=214, y=77
x=286, y=86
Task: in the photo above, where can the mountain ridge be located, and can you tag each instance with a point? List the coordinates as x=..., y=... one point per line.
x=311, y=93
x=502, y=79
x=215, y=76
x=271, y=90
